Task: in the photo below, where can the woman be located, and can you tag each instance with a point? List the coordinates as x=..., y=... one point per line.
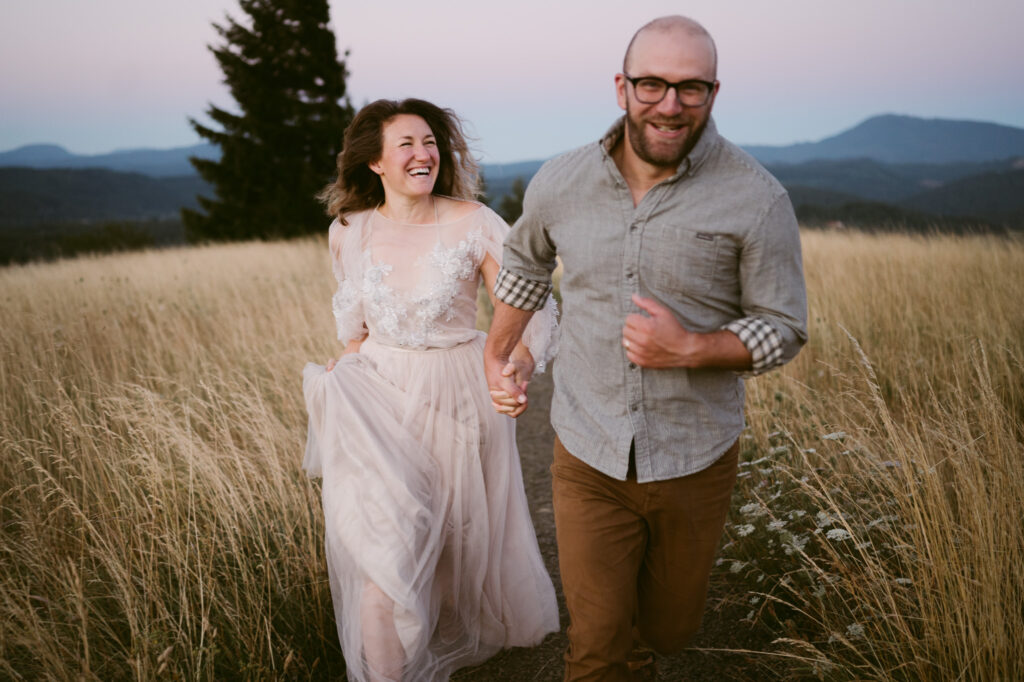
x=432, y=557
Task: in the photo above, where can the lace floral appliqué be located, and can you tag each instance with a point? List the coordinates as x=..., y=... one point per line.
x=411, y=319
x=347, y=316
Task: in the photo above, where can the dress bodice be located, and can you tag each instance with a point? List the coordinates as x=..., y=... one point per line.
x=415, y=286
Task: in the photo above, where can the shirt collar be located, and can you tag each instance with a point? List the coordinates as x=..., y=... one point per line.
x=700, y=152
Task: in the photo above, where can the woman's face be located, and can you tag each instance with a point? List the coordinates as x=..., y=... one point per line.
x=409, y=161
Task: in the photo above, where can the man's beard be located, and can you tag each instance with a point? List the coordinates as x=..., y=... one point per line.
x=670, y=158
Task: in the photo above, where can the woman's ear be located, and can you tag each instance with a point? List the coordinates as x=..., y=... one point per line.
x=376, y=167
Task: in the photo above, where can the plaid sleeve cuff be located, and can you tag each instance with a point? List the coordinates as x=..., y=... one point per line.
x=519, y=292
x=761, y=339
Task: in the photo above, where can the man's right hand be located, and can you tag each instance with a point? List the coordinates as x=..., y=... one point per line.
x=507, y=382
x=507, y=371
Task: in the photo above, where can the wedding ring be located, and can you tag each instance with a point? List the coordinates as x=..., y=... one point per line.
x=626, y=344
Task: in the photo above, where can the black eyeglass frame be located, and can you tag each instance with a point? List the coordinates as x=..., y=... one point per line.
x=710, y=85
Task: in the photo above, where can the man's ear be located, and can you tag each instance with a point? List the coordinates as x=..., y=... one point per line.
x=620, y=90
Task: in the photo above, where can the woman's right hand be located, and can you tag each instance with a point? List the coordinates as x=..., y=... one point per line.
x=352, y=347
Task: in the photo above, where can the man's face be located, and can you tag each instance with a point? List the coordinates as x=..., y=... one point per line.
x=663, y=134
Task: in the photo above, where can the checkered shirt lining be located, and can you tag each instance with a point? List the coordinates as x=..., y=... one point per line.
x=761, y=339
x=519, y=292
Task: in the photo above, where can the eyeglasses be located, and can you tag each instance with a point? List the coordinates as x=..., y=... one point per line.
x=651, y=90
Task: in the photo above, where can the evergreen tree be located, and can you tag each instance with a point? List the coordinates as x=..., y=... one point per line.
x=511, y=205
x=285, y=75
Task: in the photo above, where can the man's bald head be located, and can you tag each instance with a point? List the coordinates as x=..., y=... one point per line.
x=684, y=27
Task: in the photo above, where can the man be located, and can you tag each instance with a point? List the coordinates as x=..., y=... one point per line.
x=682, y=271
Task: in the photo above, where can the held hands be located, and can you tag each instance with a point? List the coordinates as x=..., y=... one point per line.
x=508, y=387
x=657, y=340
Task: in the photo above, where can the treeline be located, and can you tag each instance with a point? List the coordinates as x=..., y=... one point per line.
x=51, y=240
x=31, y=196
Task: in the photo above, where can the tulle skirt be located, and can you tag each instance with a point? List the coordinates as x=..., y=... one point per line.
x=431, y=553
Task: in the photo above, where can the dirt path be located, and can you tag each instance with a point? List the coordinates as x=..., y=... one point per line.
x=721, y=627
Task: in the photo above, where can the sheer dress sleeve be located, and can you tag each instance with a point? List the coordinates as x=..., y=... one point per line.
x=347, y=302
x=541, y=334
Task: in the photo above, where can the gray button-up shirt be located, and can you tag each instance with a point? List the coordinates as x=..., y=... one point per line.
x=717, y=243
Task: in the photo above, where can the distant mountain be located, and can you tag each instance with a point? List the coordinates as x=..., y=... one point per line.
x=31, y=196
x=155, y=162
x=916, y=169
x=500, y=176
x=34, y=155
x=905, y=139
x=998, y=195
x=878, y=181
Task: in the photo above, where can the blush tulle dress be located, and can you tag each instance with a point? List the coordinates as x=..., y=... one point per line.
x=431, y=553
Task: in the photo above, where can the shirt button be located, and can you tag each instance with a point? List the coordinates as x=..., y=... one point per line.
x=634, y=407
x=632, y=365
x=629, y=275
x=634, y=227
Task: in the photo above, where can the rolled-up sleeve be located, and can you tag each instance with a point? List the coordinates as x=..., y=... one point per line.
x=529, y=255
x=773, y=298
x=520, y=292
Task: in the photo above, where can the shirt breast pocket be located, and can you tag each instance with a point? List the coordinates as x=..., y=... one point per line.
x=681, y=259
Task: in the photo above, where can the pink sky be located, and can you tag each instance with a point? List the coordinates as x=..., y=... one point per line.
x=532, y=77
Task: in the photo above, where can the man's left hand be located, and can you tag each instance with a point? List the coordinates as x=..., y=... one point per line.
x=657, y=340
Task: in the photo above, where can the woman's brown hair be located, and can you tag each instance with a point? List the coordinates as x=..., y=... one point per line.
x=358, y=188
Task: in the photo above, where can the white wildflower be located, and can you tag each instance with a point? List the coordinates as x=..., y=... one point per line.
x=810, y=451
x=855, y=630
x=904, y=581
x=797, y=543
x=754, y=600
x=779, y=450
x=837, y=534
x=750, y=616
x=819, y=591
x=776, y=525
x=883, y=521
x=744, y=530
x=753, y=509
x=835, y=435
x=736, y=567
x=823, y=520
x=797, y=514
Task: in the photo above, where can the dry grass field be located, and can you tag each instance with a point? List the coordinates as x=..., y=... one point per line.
x=155, y=524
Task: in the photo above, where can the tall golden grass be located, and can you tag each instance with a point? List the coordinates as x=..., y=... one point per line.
x=885, y=539
x=154, y=521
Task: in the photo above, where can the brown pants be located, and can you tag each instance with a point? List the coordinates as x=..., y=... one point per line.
x=634, y=555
